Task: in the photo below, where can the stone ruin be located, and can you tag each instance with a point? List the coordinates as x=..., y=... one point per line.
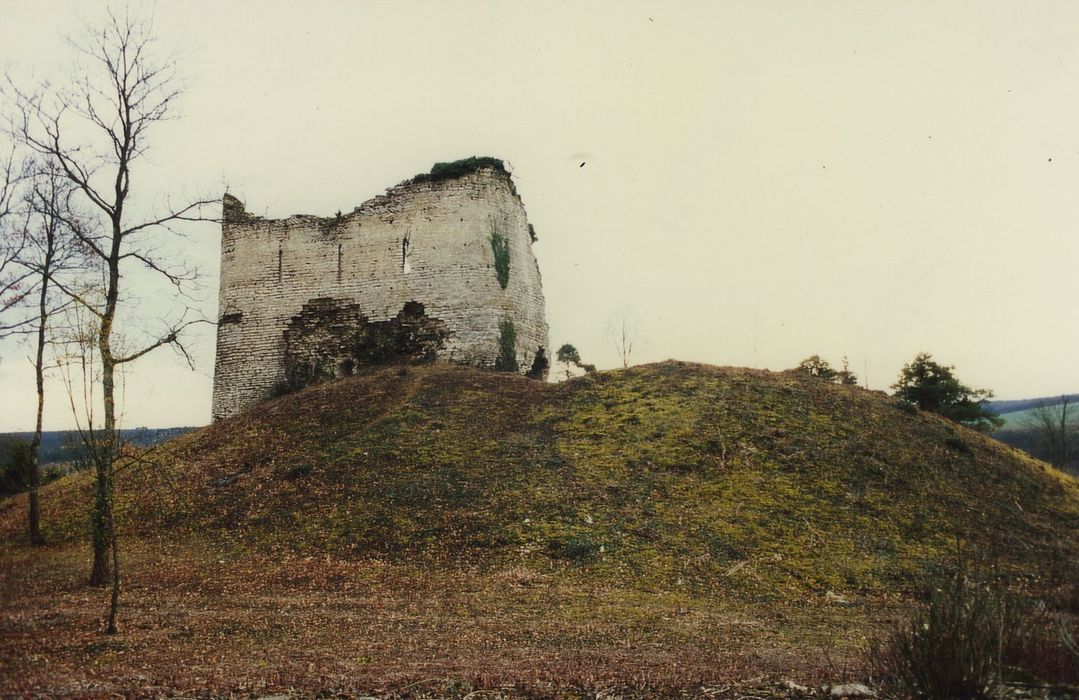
x=440, y=267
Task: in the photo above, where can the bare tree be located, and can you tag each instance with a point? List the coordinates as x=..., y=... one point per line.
x=15, y=281
x=51, y=250
x=622, y=334
x=1056, y=425
x=94, y=127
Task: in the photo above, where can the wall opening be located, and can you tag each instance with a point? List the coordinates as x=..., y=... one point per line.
x=540, y=365
x=333, y=338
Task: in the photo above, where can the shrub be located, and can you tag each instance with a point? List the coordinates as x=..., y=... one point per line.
x=814, y=366
x=14, y=465
x=934, y=387
x=957, y=646
x=568, y=355
x=579, y=548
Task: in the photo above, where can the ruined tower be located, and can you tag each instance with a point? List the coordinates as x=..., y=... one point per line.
x=439, y=267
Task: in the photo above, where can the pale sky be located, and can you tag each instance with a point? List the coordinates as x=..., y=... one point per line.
x=763, y=180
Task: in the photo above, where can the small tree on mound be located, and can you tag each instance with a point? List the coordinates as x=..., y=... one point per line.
x=934, y=387
x=568, y=355
x=815, y=366
x=845, y=376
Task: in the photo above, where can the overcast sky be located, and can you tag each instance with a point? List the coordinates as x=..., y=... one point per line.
x=763, y=180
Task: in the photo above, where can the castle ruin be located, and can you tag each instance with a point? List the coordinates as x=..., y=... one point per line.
x=440, y=267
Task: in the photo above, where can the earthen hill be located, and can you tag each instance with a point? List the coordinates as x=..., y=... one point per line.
x=439, y=267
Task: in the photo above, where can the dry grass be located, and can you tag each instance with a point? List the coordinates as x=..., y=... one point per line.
x=206, y=620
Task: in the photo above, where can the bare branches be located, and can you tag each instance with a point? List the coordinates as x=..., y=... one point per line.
x=40, y=125
x=92, y=129
x=16, y=283
x=180, y=214
x=169, y=337
x=1054, y=421
x=622, y=334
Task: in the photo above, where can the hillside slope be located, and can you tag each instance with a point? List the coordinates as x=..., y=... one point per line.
x=669, y=530
x=667, y=476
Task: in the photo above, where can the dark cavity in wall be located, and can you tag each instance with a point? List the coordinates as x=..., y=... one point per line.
x=540, y=365
x=333, y=338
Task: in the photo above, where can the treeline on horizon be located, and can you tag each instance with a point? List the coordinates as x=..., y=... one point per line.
x=1002, y=407
x=58, y=446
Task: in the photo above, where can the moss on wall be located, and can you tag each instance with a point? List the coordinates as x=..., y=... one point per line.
x=507, y=346
x=457, y=168
x=500, y=246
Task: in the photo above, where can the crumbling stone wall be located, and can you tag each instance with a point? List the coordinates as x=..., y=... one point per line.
x=331, y=338
x=407, y=276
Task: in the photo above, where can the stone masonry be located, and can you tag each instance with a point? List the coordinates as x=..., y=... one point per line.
x=408, y=276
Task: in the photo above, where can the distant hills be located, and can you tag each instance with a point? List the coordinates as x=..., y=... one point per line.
x=1020, y=429
x=63, y=445
x=1005, y=407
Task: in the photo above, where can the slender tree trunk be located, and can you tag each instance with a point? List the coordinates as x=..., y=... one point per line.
x=39, y=375
x=114, y=600
x=107, y=446
x=106, y=467
x=104, y=455
x=34, y=475
x=99, y=523
x=104, y=446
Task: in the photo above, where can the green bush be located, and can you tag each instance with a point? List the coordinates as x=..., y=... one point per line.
x=934, y=387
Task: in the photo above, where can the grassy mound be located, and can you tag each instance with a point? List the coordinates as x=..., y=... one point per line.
x=672, y=476
x=665, y=530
